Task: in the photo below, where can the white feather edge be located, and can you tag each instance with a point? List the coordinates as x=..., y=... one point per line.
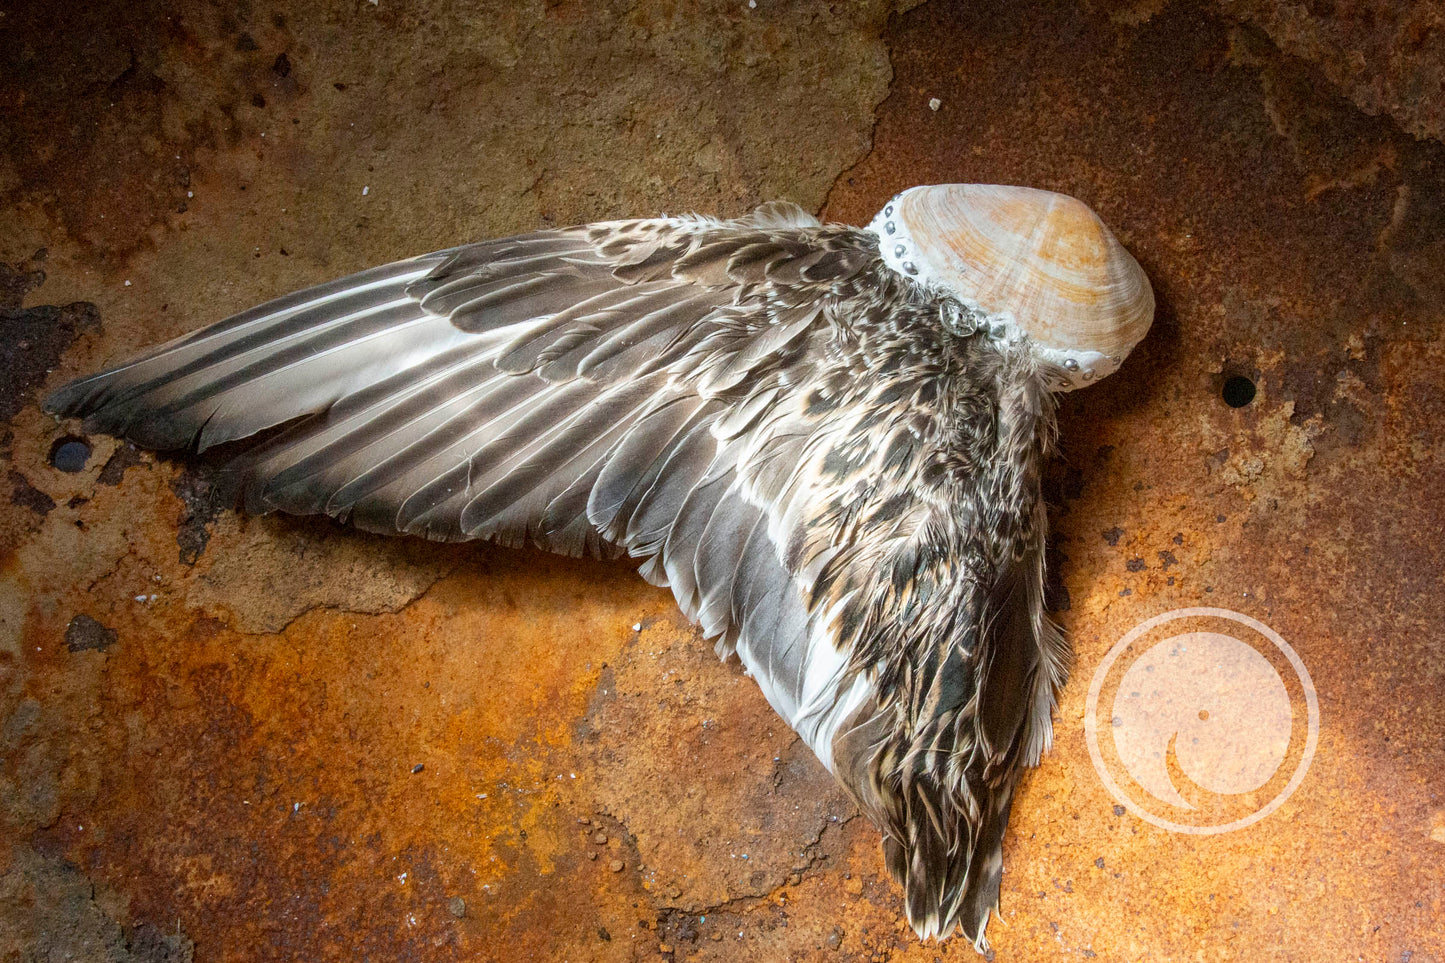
x=825, y=701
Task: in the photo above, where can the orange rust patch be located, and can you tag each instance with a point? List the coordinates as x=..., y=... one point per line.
x=169, y=766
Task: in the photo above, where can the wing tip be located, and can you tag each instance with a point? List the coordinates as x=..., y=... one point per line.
x=70, y=400
x=943, y=842
x=936, y=914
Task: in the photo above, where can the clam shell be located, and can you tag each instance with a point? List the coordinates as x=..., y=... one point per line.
x=1044, y=258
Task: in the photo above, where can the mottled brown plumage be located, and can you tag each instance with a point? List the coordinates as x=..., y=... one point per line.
x=834, y=467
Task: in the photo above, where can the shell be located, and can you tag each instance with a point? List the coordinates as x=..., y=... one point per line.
x=1035, y=260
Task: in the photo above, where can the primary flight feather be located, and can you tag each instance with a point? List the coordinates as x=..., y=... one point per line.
x=826, y=440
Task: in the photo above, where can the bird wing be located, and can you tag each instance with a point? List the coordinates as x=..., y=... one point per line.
x=629, y=386
x=759, y=409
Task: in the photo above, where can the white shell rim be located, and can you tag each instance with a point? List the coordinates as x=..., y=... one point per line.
x=1074, y=367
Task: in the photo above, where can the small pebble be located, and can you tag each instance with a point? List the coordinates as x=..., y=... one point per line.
x=457, y=907
x=617, y=865
x=717, y=937
x=418, y=768
x=934, y=104
x=599, y=837
x=583, y=821
x=592, y=856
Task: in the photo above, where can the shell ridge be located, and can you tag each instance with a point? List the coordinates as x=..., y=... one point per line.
x=1040, y=265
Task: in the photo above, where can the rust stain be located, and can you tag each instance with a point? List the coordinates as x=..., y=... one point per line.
x=243, y=757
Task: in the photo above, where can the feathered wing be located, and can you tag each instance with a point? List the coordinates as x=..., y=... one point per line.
x=836, y=488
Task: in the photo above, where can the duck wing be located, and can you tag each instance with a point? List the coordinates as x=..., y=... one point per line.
x=769, y=417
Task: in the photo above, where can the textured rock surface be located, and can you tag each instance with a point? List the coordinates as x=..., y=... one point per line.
x=225, y=753
x=1388, y=56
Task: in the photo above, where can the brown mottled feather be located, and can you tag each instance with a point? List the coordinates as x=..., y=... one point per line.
x=833, y=484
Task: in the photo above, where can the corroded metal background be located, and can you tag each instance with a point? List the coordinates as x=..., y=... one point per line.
x=247, y=739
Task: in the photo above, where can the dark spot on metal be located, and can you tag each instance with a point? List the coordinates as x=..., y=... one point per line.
x=146, y=943
x=26, y=495
x=1238, y=391
x=1118, y=810
x=1113, y=535
x=246, y=43
x=126, y=456
x=85, y=633
x=1168, y=559
x=282, y=66
x=32, y=340
x=257, y=100
x=198, y=491
x=16, y=282
x=1135, y=565
x=69, y=454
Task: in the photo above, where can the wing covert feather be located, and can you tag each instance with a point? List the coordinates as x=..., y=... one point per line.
x=776, y=424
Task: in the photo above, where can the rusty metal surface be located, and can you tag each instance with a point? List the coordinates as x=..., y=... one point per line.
x=1387, y=56
x=245, y=739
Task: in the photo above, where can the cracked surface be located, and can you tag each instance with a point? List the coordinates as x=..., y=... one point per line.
x=279, y=739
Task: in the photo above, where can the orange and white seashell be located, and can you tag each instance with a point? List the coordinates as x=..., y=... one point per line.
x=1025, y=262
